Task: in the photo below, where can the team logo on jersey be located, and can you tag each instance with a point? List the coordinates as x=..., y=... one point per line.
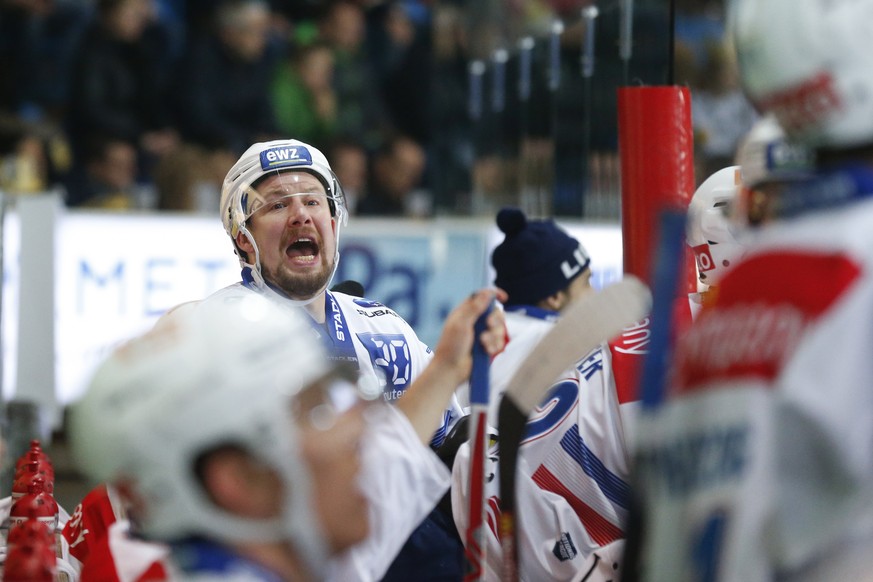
x=284, y=157
x=390, y=354
x=564, y=548
x=367, y=303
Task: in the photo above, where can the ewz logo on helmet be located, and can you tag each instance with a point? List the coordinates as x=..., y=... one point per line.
x=569, y=269
x=285, y=156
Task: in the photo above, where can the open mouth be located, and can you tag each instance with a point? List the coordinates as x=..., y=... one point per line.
x=302, y=249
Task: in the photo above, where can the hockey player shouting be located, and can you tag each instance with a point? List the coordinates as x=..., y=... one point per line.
x=284, y=210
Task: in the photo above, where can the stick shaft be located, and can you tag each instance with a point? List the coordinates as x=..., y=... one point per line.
x=480, y=388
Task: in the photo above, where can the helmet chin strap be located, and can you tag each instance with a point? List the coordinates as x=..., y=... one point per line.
x=252, y=273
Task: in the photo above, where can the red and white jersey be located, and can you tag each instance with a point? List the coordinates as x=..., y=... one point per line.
x=573, y=490
x=91, y=519
x=99, y=536
x=759, y=464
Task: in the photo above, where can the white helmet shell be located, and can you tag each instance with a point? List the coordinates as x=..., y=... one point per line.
x=766, y=154
x=810, y=64
x=215, y=374
x=239, y=198
x=709, y=229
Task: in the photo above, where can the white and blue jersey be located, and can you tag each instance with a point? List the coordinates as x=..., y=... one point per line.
x=371, y=337
x=572, y=492
x=201, y=560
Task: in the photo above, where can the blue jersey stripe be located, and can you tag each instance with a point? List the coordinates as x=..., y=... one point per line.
x=612, y=486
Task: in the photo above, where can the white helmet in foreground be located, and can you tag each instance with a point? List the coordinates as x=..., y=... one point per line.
x=810, y=64
x=709, y=228
x=215, y=375
x=240, y=198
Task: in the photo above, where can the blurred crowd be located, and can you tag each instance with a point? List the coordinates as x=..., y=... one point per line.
x=144, y=104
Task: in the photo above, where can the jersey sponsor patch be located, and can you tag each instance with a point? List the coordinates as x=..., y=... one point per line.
x=762, y=309
x=390, y=354
x=368, y=303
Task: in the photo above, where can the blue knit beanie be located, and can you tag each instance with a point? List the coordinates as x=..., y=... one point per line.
x=536, y=259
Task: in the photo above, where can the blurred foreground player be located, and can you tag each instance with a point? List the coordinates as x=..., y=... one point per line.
x=232, y=437
x=759, y=464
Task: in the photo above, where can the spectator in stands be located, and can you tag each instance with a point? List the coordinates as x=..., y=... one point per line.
x=108, y=176
x=452, y=139
x=350, y=163
x=34, y=157
x=395, y=180
x=398, y=42
x=303, y=95
x=23, y=163
x=360, y=110
x=222, y=90
x=722, y=114
x=119, y=81
x=37, y=40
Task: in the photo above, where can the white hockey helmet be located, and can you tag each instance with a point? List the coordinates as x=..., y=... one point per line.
x=216, y=374
x=709, y=228
x=240, y=198
x=810, y=64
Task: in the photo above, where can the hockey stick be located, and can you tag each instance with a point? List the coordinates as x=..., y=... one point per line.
x=581, y=327
x=480, y=387
x=668, y=259
x=667, y=268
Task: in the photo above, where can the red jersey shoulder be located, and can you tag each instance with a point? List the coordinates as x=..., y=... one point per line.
x=763, y=306
x=627, y=353
x=90, y=522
